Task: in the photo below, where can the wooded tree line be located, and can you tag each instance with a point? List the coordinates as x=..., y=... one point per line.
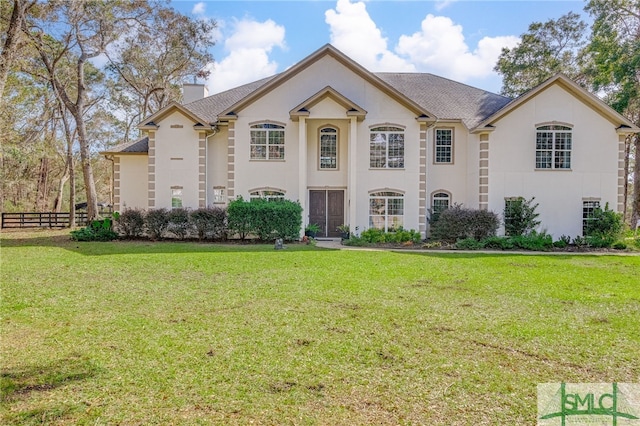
x=603, y=58
x=77, y=76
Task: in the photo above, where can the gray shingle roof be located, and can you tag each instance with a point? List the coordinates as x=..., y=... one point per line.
x=210, y=107
x=445, y=98
x=140, y=145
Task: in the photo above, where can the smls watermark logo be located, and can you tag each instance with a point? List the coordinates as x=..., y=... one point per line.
x=574, y=404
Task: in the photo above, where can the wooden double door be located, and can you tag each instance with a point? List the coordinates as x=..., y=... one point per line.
x=326, y=208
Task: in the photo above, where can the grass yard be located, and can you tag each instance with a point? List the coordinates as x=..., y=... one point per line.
x=187, y=333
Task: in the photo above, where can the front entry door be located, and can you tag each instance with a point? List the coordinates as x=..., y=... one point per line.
x=326, y=208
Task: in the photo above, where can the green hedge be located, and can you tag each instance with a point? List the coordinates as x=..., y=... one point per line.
x=264, y=219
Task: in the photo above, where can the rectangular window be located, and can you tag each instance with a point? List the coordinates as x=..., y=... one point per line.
x=386, y=211
x=553, y=147
x=176, y=198
x=267, y=142
x=587, y=213
x=218, y=195
x=443, y=146
x=386, y=148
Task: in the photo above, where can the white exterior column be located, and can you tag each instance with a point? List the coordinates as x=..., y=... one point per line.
x=302, y=171
x=352, y=154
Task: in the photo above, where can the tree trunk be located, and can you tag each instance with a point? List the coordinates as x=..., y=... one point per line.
x=41, y=191
x=635, y=215
x=87, y=170
x=57, y=204
x=11, y=42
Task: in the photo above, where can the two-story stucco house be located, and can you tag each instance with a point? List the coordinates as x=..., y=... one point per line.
x=378, y=149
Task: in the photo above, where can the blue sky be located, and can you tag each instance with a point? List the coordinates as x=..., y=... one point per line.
x=451, y=38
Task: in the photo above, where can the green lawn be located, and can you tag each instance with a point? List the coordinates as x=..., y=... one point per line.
x=187, y=333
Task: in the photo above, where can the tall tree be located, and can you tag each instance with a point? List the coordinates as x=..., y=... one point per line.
x=12, y=38
x=544, y=50
x=614, y=51
x=153, y=60
x=76, y=32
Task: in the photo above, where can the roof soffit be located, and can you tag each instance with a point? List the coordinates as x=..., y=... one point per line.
x=328, y=50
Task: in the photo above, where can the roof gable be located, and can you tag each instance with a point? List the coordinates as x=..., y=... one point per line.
x=152, y=120
x=351, y=108
x=622, y=124
x=327, y=50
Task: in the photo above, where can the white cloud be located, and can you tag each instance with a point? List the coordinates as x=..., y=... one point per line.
x=441, y=4
x=248, y=49
x=354, y=33
x=440, y=47
x=199, y=8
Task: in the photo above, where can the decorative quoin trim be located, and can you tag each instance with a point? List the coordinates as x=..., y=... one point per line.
x=483, y=167
x=116, y=183
x=621, y=176
x=422, y=196
x=231, y=156
x=202, y=167
x=152, y=169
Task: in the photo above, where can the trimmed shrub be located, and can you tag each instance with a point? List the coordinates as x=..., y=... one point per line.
x=131, y=223
x=520, y=216
x=266, y=220
x=210, y=222
x=97, y=230
x=157, y=221
x=179, y=224
x=377, y=236
x=458, y=223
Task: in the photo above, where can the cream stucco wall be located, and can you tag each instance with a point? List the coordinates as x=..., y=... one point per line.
x=284, y=175
x=217, y=152
x=176, y=161
x=133, y=182
x=560, y=193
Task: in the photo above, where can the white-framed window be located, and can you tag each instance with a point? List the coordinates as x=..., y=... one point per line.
x=386, y=210
x=328, y=148
x=553, y=147
x=440, y=201
x=588, y=207
x=267, y=194
x=267, y=142
x=386, y=148
x=219, y=195
x=443, y=146
x=176, y=198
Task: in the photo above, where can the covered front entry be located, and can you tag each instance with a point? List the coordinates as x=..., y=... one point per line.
x=326, y=208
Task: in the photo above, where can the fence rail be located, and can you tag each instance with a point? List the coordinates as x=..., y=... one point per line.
x=41, y=220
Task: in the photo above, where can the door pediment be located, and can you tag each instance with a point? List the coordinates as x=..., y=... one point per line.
x=328, y=103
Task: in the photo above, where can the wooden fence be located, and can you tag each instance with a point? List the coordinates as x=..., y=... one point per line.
x=41, y=220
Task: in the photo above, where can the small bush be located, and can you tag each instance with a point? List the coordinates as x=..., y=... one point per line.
x=560, y=244
x=179, y=224
x=458, y=223
x=498, y=243
x=520, y=217
x=534, y=241
x=97, y=230
x=131, y=223
x=210, y=222
x=157, y=221
x=469, y=244
x=579, y=241
x=265, y=219
x=355, y=241
x=373, y=236
x=604, y=227
x=619, y=245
